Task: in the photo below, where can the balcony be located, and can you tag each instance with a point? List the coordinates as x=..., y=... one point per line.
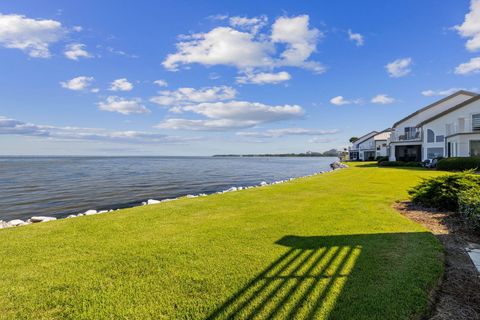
x=412, y=134
x=362, y=147
x=461, y=125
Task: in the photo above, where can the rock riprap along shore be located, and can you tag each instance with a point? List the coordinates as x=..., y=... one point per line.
x=41, y=219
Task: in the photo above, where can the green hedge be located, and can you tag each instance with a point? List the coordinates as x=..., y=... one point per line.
x=459, y=164
x=381, y=159
x=469, y=207
x=443, y=192
x=399, y=164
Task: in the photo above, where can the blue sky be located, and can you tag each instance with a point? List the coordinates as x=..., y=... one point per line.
x=209, y=77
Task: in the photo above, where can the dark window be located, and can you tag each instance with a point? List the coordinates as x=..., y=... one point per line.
x=440, y=138
x=430, y=136
x=434, y=153
x=474, y=148
x=476, y=122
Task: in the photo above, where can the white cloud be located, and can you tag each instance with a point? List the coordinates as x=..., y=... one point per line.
x=121, y=85
x=356, y=37
x=191, y=95
x=470, y=28
x=445, y=92
x=119, y=52
x=221, y=46
x=14, y=127
x=321, y=140
x=301, y=41
x=247, y=50
x=340, y=101
x=399, y=67
x=123, y=106
x=204, y=125
x=382, y=99
x=232, y=115
x=78, y=83
x=277, y=133
x=472, y=66
x=264, y=77
x=29, y=35
x=253, y=25
x=161, y=83
x=74, y=51
x=245, y=110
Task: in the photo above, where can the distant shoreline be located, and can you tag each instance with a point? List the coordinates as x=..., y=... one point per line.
x=298, y=155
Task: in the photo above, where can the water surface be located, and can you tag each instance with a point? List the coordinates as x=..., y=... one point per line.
x=58, y=186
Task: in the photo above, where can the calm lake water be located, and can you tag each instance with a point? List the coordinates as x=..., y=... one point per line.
x=58, y=186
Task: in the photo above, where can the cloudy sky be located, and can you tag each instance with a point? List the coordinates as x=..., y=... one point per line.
x=208, y=77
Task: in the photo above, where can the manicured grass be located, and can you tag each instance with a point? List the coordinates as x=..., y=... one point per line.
x=329, y=246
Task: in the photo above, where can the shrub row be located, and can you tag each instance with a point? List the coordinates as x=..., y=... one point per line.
x=458, y=192
x=399, y=164
x=459, y=164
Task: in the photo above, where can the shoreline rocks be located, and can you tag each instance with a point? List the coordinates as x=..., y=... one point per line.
x=338, y=165
x=37, y=219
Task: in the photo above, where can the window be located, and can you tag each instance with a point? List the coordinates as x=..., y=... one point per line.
x=475, y=148
x=476, y=122
x=430, y=135
x=434, y=153
x=440, y=138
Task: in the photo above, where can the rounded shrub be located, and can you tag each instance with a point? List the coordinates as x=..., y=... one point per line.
x=469, y=207
x=381, y=159
x=443, y=192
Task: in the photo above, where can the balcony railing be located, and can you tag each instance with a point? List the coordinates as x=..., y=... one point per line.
x=415, y=134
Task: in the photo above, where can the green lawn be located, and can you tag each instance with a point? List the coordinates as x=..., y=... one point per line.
x=328, y=246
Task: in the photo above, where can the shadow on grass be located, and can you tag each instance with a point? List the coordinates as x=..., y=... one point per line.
x=375, y=165
x=338, y=277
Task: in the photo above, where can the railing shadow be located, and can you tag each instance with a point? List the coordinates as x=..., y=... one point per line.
x=306, y=281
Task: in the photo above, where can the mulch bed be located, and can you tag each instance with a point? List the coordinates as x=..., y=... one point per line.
x=458, y=295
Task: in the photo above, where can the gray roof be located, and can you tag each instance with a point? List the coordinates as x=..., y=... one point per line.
x=365, y=136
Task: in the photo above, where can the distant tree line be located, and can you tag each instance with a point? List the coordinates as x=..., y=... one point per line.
x=329, y=153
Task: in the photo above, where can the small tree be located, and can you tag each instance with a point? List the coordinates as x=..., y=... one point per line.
x=353, y=139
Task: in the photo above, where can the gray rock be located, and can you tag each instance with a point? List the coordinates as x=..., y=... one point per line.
x=338, y=165
x=90, y=212
x=41, y=219
x=152, y=201
x=3, y=224
x=16, y=223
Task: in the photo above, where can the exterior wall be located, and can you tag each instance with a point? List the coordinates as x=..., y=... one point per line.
x=381, y=148
x=391, y=155
x=461, y=144
x=438, y=145
x=456, y=127
x=422, y=116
